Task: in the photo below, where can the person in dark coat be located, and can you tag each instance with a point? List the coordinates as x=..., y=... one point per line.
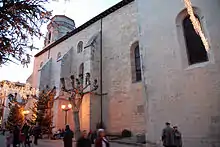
x=68, y=136
x=84, y=141
x=16, y=136
x=37, y=133
x=3, y=131
x=92, y=136
x=62, y=133
x=168, y=136
x=26, y=130
x=102, y=141
x=177, y=137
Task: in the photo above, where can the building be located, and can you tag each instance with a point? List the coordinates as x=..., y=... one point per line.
x=111, y=40
x=182, y=78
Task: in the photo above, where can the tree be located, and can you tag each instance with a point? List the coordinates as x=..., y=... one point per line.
x=77, y=93
x=42, y=110
x=20, y=22
x=15, y=89
x=12, y=91
x=15, y=116
x=33, y=118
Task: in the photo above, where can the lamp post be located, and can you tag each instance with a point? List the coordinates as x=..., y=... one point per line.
x=66, y=109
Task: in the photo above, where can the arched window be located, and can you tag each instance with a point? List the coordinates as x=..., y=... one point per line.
x=41, y=64
x=196, y=51
x=58, y=55
x=135, y=63
x=80, y=47
x=49, y=37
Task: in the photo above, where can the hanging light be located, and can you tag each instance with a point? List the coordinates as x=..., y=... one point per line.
x=23, y=90
x=196, y=24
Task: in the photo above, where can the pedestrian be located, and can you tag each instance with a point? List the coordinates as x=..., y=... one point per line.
x=26, y=131
x=3, y=131
x=36, y=133
x=16, y=136
x=101, y=141
x=84, y=141
x=9, y=138
x=168, y=136
x=68, y=136
x=62, y=133
x=92, y=136
x=177, y=137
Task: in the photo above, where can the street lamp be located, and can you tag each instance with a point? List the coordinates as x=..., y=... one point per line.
x=25, y=113
x=66, y=109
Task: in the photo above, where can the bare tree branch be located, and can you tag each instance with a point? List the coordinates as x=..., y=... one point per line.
x=20, y=21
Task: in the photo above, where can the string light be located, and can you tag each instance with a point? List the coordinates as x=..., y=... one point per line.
x=22, y=90
x=196, y=23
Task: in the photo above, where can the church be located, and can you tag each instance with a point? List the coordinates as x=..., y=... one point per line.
x=151, y=66
x=106, y=47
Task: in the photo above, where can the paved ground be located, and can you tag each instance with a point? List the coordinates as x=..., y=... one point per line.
x=2, y=142
x=54, y=143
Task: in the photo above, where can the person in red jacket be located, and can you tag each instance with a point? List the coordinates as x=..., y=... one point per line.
x=101, y=141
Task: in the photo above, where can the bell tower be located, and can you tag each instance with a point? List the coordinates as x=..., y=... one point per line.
x=59, y=26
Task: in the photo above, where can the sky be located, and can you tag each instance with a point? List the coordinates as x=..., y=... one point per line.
x=78, y=10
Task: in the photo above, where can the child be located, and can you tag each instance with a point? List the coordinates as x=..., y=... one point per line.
x=9, y=138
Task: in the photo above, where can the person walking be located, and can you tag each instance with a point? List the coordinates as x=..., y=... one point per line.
x=168, y=136
x=177, y=137
x=84, y=141
x=9, y=138
x=16, y=136
x=62, y=133
x=68, y=136
x=25, y=130
x=36, y=133
x=3, y=131
x=102, y=141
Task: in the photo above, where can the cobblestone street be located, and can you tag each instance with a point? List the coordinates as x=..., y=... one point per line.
x=55, y=143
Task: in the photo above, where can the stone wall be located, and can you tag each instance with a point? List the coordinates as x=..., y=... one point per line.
x=185, y=95
x=124, y=96
x=45, y=75
x=36, y=71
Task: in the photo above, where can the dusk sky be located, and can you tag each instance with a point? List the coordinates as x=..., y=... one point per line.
x=78, y=10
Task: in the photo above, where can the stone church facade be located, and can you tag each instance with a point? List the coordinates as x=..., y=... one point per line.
x=73, y=51
x=182, y=78
x=150, y=69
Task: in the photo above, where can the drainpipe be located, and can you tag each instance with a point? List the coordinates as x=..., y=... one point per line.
x=101, y=103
